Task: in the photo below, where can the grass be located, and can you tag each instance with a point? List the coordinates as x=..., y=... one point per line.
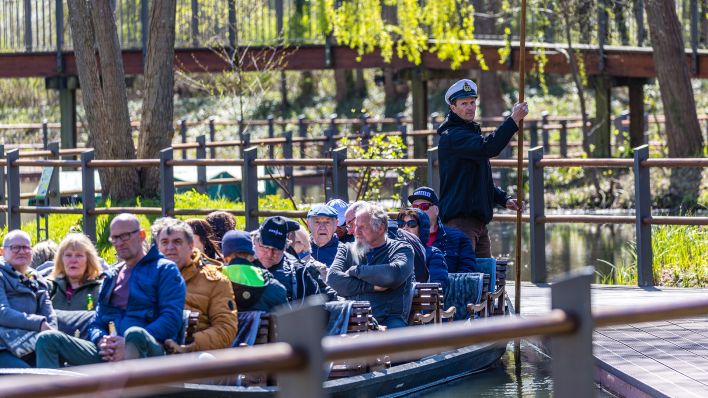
x=680, y=258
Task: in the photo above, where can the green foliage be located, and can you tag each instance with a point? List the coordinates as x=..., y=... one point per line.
x=371, y=180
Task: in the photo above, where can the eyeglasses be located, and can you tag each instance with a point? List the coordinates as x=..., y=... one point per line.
x=350, y=223
x=122, y=237
x=409, y=223
x=19, y=248
x=422, y=206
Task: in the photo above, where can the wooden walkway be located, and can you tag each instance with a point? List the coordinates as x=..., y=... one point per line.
x=658, y=359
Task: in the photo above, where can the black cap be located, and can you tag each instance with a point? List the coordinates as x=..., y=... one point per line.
x=425, y=193
x=274, y=231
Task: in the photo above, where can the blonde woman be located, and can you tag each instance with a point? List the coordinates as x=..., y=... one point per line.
x=76, y=277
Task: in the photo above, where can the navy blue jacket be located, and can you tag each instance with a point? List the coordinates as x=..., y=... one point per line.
x=457, y=248
x=466, y=185
x=437, y=267
x=155, y=303
x=326, y=253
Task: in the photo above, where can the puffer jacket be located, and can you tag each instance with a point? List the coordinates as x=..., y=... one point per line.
x=325, y=254
x=79, y=300
x=24, y=305
x=210, y=293
x=466, y=185
x=457, y=248
x=437, y=267
x=156, y=302
x=389, y=266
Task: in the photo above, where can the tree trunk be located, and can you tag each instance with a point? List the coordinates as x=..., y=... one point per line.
x=104, y=92
x=156, y=123
x=683, y=132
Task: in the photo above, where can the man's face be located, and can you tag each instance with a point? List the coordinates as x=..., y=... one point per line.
x=428, y=208
x=350, y=222
x=127, y=238
x=365, y=233
x=18, y=252
x=176, y=247
x=322, y=229
x=466, y=108
x=268, y=256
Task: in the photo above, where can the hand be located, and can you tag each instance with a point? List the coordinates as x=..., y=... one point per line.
x=112, y=348
x=45, y=326
x=513, y=204
x=519, y=111
x=171, y=346
x=380, y=288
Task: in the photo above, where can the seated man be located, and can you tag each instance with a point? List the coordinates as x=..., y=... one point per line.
x=255, y=288
x=139, y=307
x=25, y=307
x=322, y=221
x=375, y=268
x=341, y=207
x=208, y=291
x=455, y=245
x=300, y=280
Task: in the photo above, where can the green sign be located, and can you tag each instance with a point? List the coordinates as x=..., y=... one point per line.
x=43, y=186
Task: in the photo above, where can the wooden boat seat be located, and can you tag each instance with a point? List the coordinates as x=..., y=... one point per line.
x=428, y=305
x=360, y=321
x=481, y=307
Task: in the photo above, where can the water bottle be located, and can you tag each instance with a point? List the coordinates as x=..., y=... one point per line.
x=89, y=302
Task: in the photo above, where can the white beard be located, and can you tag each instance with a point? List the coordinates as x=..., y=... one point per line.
x=360, y=249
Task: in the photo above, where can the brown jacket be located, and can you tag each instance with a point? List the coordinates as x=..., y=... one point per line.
x=210, y=293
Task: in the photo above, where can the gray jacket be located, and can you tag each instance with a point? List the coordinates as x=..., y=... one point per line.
x=22, y=306
x=389, y=266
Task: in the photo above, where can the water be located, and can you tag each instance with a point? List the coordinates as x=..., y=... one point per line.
x=531, y=379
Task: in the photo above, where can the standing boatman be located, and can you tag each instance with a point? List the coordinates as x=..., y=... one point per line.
x=467, y=191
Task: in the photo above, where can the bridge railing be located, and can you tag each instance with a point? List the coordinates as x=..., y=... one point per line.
x=338, y=187
x=303, y=349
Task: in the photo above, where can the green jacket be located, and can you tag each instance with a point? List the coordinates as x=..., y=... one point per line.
x=79, y=300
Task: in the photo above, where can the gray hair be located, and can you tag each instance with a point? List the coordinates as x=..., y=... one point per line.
x=171, y=225
x=42, y=252
x=377, y=214
x=356, y=206
x=14, y=234
x=157, y=227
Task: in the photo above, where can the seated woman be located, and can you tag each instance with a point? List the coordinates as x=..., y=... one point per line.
x=76, y=277
x=204, y=239
x=417, y=222
x=25, y=308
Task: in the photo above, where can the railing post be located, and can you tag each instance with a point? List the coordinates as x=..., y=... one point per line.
x=54, y=195
x=537, y=210
x=642, y=199
x=333, y=123
x=167, y=183
x=288, y=154
x=45, y=134
x=365, y=131
x=3, y=215
x=433, y=169
x=340, y=178
x=564, y=139
x=534, y=134
x=183, y=134
x=435, y=124
x=271, y=134
x=303, y=329
x=573, y=365
x=14, y=219
x=88, y=195
x=302, y=132
x=212, y=137
x=201, y=169
x=249, y=188
x=28, y=25
x=195, y=23
x=329, y=142
x=544, y=132
x=245, y=142
x=59, y=15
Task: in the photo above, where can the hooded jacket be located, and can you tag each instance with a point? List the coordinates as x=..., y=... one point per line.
x=435, y=260
x=325, y=254
x=210, y=293
x=466, y=185
x=156, y=301
x=22, y=306
x=457, y=249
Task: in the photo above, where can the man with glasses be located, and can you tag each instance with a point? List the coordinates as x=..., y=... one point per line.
x=25, y=307
x=455, y=245
x=139, y=307
x=300, y=280
x=467, y=191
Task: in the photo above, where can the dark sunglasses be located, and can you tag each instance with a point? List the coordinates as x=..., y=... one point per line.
x=409, y=223
x=422, y=206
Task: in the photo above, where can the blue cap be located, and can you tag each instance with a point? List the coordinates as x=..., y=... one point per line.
x=461, y=88
x=341, y=207
x=236, y=241
x=274, y=231
x=425, y=193
x=322, y=211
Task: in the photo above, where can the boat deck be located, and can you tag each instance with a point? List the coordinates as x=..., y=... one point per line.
x=657, y=359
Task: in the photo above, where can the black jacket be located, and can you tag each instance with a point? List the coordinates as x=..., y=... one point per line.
x=466, y=185
x=300, y=280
